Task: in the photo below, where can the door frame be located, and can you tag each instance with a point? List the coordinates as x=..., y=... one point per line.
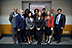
x=39, y=2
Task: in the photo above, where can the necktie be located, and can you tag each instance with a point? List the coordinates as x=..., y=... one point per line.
x=57, y=19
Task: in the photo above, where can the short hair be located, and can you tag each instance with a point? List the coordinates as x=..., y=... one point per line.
x=21, y=10
x=37, y=10
x=59, y=9
x=43, y=9
x=26, y=10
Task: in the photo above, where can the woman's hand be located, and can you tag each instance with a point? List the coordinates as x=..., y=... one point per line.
x=38, y=28
x=51, y=28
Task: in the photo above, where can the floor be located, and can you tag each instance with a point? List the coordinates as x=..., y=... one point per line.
x=65, y=41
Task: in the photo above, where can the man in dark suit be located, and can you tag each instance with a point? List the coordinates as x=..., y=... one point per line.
x=20, y=21
x=44, y=12
x=12, y=19
x=59, y=23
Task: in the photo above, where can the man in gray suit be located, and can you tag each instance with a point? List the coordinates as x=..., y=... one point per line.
x=12, y=19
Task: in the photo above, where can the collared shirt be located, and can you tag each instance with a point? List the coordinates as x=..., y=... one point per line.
x=15, y=14
x=47, y=21
x=22, y=17
x=52, y=14
x=31, y=19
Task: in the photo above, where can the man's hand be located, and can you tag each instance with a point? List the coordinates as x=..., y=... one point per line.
x=61, y=27
x=18, y=29
x=51, y=28
x=38, y=28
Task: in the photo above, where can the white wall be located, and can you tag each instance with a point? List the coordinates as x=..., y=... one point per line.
x=8, y=5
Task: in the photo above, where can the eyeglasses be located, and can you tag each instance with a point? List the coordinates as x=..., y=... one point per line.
x=22, y=12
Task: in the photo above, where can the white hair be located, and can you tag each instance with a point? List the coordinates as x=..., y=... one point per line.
x=21, y=10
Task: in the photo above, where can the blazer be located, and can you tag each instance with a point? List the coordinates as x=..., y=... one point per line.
x=20, y=22
x=29, y=24
x=50, y=21
x=61, y=21
x=39, y=23
x=12, y=19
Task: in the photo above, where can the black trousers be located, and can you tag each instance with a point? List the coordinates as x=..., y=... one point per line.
x=58, y=33
x=20, y=35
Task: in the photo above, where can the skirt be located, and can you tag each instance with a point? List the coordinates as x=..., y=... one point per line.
x=39, y=32
x=28, y=32
x=48, y=31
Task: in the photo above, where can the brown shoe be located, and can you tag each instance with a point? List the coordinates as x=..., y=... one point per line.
x=14, y=42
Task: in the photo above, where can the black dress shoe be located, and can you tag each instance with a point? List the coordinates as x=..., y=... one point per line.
x=29, y=43
x=38, y=43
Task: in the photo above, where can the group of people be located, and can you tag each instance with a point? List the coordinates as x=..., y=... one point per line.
x=26, y=24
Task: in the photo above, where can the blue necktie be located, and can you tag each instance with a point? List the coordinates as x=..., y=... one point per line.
x=57, y=19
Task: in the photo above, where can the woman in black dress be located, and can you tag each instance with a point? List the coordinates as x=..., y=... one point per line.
x=29, y=27
x=39, y=27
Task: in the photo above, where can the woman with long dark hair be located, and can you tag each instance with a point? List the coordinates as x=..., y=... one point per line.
x=29, y=27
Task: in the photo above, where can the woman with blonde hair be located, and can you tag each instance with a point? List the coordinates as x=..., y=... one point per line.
x=49, y=24
x=39, y=27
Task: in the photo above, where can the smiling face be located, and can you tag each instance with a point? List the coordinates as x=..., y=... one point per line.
x=51, y=10
x=59, y=12
x=15, y=9
x=21, y=12
x=43, y=11
x=29, y=14
x=39, y=14
x=48, y=13
x=36, y=12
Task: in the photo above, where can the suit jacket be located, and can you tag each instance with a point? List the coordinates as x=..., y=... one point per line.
x=20, y=22
x=29, y=24
x=39, y=23
x=50, y=21
x=61, y=21
x=43, y=14
x=12, y=19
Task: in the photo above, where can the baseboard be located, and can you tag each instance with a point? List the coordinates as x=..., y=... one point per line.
x=68, y=35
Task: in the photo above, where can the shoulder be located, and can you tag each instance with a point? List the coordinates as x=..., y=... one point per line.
x=62, y=14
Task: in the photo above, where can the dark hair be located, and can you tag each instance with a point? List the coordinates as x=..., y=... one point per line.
x=59, y=9
x=35, y=10
x=29, y=13
x=26, y=10
x=43, y=9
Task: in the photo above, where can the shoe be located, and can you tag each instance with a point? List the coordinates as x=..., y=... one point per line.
x=29, y=43
x=14, y=42
x=46, y=41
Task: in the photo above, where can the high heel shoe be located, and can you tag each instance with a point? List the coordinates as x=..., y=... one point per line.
x=29, y=43
x=48, y=42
